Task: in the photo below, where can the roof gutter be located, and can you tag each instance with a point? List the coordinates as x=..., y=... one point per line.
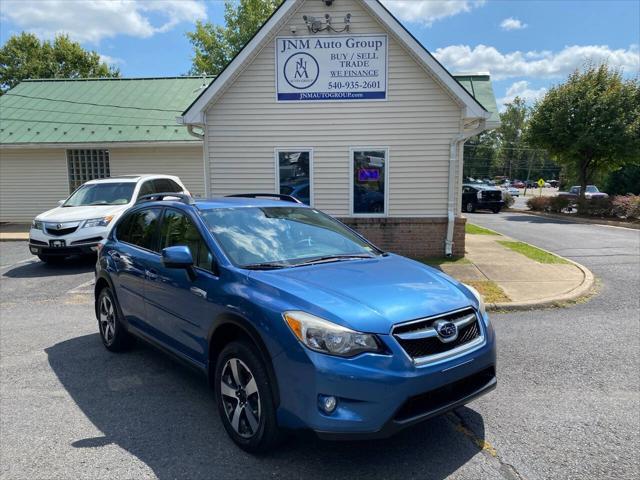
x=453, y=161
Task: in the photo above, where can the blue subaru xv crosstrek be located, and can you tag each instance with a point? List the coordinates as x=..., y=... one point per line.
x=298, y=321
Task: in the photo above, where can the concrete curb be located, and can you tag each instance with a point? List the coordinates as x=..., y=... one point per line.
x=582, y=290
x=14, y=237
x=588, y=221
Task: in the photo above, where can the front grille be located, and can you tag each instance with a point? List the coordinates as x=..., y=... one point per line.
x=431, y=344
x=446, y=395
x=61, y=232
x=492, y=194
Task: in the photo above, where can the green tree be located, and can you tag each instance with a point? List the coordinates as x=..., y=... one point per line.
x=590, y=123
x=215, y=45
x=513, y=156
x=25, y=56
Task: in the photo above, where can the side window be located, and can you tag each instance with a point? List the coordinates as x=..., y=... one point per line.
x=178, y=229
x=166, y=185
x=123, y=228
x=143, y=231
x=146, y=189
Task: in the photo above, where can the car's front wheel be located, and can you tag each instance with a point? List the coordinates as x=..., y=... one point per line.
x=496, y=209
x=470, y=207
x=245, y=399
x=112, y=332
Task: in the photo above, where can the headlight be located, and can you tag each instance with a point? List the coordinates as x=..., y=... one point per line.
x=327, y=337
x=37, y=224
x=481, y=305
x=98, y=222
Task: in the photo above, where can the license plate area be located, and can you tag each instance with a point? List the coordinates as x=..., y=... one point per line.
x=57, y=243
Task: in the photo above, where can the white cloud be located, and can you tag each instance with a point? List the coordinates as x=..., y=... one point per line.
x=521, y=89
x=94, y=20
x=428, y=11
x=111, y=61
x=512, y=24
x=543, y=64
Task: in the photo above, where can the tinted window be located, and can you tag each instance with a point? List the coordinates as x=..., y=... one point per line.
x=369, y=172
x=140, y=228
x=146, y=189
x=166, y=185
x=178, y=229
x=108, y=193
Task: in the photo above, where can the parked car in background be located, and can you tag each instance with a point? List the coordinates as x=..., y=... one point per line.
x=591, y=192
x=298, y=189
x=518, y=184
x=553, y=183
x=481, y=197
x=297, y=321
x=85, y=218
x=531, y=184
x=514, y=192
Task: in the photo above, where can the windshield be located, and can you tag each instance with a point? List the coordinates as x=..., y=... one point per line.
x=285, y=236
x=110, y=193
x=592, y=189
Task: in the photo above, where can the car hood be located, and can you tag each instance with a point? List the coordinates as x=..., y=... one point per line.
x=367, y=295
x=70, y=214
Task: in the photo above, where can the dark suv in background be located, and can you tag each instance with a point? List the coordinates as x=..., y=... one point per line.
x=481, y=197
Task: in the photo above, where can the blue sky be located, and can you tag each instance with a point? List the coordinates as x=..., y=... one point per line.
x=527, y=46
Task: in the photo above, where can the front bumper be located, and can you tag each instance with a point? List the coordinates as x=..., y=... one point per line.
x=80, y=242
x=378, y=395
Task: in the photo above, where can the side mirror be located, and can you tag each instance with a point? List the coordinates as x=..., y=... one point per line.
x=61, y=202
x=177, y=257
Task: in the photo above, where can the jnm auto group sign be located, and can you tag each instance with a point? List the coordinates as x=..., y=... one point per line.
x=331, y=68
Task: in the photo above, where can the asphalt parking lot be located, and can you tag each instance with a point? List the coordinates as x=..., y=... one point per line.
x=567, y=403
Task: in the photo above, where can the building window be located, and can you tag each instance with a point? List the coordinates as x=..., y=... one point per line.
x=369, y=181
x=85, y=165
x=294, y=173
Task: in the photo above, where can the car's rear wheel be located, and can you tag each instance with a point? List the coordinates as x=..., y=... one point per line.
x=112, y=332
x=244, y=397
x=496, y=209
x=471, y=207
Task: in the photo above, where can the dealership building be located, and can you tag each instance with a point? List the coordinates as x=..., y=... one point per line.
x=334, y=102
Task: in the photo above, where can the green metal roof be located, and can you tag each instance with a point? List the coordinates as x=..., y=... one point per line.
x=125, y=110
x=97, y=110
x=479, y=85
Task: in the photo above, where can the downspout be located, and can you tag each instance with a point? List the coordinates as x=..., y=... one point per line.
x=190, y=131
x=451, y=203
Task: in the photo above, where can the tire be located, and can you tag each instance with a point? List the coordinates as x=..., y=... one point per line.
x=52, y=259
x=113, y=333
x=496, y=209
x=246, y=405
x=470, y=207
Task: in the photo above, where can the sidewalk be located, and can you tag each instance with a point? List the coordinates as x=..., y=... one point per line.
x=14, y=231
x=509, y=279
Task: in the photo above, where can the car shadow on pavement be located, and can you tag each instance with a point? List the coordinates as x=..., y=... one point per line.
x=70, y=266
x=164, y=414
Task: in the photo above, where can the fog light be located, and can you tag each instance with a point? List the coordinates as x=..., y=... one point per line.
x=328, y=403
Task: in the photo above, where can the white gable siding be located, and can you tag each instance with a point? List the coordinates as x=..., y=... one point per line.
x=31, y=181
x=416, y=123
x=184, y=162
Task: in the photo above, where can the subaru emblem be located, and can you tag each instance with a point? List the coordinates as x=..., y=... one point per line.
x=447, y=331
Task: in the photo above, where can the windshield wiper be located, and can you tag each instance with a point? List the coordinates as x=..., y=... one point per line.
x=265, y=266
x=333, y=258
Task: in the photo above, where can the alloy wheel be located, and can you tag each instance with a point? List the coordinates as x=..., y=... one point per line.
x=240, y=397
x=107, y=319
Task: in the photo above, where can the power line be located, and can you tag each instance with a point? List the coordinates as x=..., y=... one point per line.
x=94, y=124
x=80, y=113
x=89, y=103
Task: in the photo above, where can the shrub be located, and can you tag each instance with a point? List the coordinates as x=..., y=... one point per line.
x=558, y=204
x=595, y=207
x=626, y=206
x=508, y=199
x=538, y=204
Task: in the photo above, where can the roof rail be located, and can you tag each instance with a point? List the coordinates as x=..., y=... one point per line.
x=155, y=197
x=279, y=196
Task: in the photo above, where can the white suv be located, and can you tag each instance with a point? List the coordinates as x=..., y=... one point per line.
x=81, y=221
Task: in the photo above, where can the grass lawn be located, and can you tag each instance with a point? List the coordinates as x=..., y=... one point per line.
x=532, y=252
x=490, y=291
x=472, y=229
x=434, y=262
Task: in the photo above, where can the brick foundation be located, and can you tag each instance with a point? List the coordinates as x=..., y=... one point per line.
x=414, y=237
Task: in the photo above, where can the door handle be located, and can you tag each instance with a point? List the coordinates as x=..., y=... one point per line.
x=198, y=291
x=151, y=274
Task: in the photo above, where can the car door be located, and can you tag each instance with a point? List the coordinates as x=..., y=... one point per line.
x=135, y=248
x=469, y=195
x=183, y=308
